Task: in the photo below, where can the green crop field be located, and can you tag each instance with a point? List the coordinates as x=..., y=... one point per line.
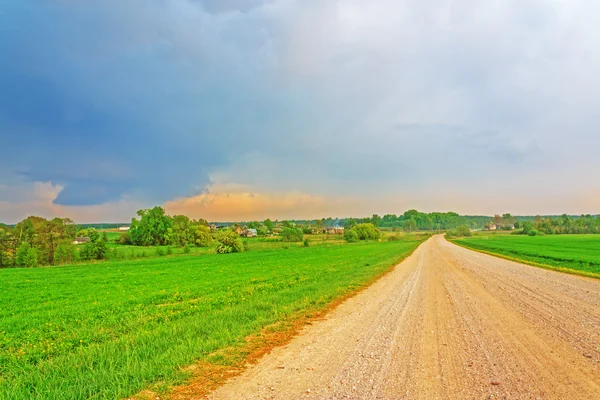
x=112, y=234
x=578, y=253
x=109, y=330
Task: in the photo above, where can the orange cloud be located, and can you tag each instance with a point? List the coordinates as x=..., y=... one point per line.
x=238, y=204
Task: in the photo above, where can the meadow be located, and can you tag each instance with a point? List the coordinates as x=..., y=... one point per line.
x=111, y=329
x=572, y=253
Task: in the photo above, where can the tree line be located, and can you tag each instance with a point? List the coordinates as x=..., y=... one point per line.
x=563, y=225
x=39, y=241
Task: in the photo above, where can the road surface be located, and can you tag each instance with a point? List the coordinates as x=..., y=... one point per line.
x=447, y=323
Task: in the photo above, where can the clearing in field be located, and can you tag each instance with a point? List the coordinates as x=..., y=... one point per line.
x=578, y=254
x=110, y=330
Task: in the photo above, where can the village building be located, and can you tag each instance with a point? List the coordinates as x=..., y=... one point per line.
x=81, y=240
x=335, y=230
x=249, y=233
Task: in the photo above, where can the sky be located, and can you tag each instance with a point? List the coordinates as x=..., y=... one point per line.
x=238, y=110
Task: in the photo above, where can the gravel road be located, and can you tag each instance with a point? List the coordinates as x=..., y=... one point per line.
x=447, y=323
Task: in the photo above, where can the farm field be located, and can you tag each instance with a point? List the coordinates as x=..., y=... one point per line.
x=111, y=329
x=580, y=253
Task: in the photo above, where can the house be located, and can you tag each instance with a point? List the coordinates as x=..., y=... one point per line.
x=81, y=240
x=335, y=230
x=492, y=227
x=124, y=228
x=249, y=233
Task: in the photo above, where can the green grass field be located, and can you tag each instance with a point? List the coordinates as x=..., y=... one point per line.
x=112, y=234
x=109, y=330
x=579, y=253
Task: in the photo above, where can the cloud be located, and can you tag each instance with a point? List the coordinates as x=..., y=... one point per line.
x=220, y=6
x=242, y=204
x=155, y=101
x=38, y=198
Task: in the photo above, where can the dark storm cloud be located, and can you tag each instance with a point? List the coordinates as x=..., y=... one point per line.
x=154, y=100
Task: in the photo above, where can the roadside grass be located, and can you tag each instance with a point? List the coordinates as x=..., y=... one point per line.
x=579, y=254
x=110, y=330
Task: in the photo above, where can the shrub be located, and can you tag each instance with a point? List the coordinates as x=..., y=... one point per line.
x=169, y=251
x=124, y=239
x=228, y=242
x=393, y=238
x=291, y=235
x=95, y=250
x=27, y=256
x=527, y=227
x=202, y=237
x=306, y=243
x=366, y=231
x=159, y=251
x=65, y=253
x=351, y=236
x=186, y=249
x=463, y=231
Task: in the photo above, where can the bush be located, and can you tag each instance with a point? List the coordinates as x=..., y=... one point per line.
x=228, y=242
x=65, y=253
x=351, y=236
x=306, y=243
x=94, y=250
x=365, y=232
x=202, y=237
x=535, y=232
x=527, y=227
x=463, y=231
x=27, y=256
x=124, y=239
x=291, y=235
x=169, y=251
x=186, y=249
x=394, y=238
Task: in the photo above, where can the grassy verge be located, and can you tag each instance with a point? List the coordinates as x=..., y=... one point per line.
x=110, y=330
x=575, y=254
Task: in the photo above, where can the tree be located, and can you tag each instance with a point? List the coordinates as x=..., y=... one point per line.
x=201, y=235
x=292, y=235
x=26, y=256
x=8, y=247
x=350, y=223
x=96, y=248
x=409, y=225
x=269, y=224
x=376, y=220
x=527, y=227
x=180, y=232
x=152, y=228
x=319, y=224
